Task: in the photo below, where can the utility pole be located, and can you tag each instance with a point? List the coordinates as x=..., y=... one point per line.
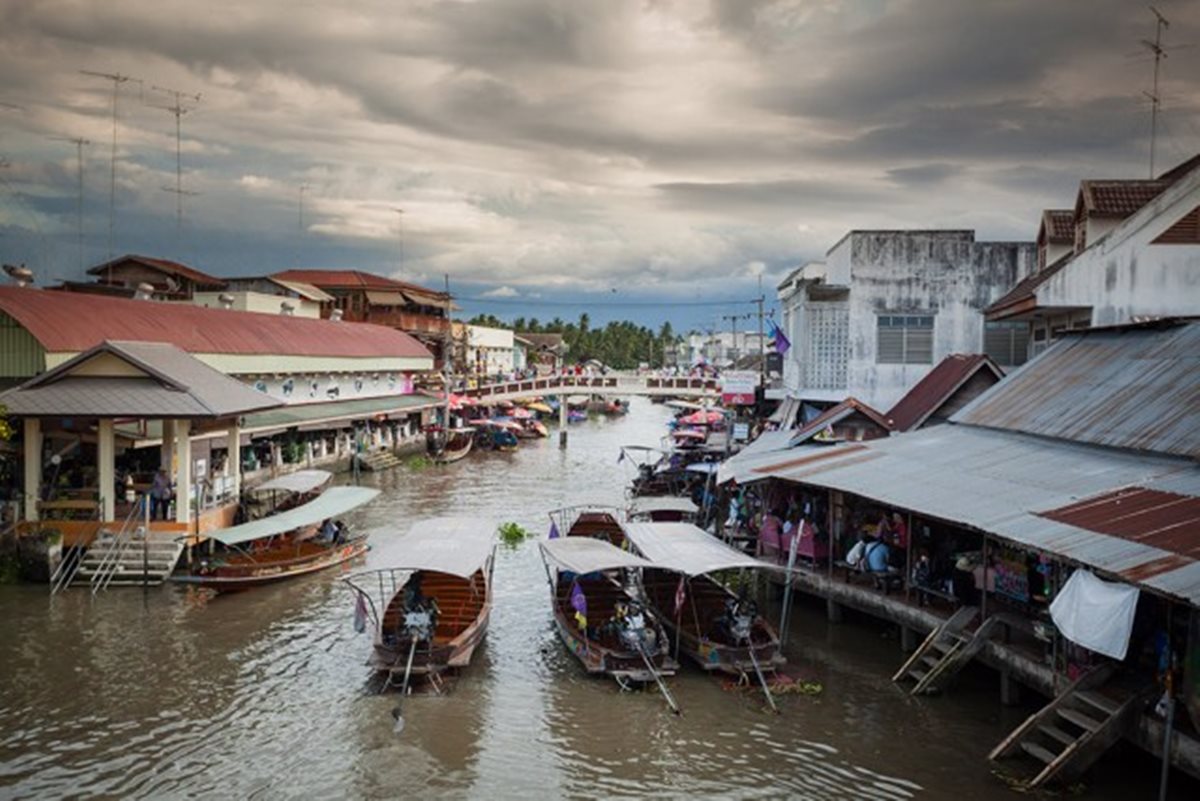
x=300, y=223
x=762, y=356
x=178, y=110
x=117, y=79
x=79, y=142
x=1155, y=47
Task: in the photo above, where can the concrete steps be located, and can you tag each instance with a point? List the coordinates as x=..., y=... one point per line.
x=379, y=460
x=141, y=560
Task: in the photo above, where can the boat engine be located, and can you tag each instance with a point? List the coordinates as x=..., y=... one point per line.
x=739, y=618
x=633, y=630
x=419, y=623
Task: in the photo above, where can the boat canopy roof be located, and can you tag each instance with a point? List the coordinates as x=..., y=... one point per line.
x=587, y=555
x=682, y=404
x=455, y=545
x=332, y=502
x=703, y=467
x=662, y=503
x=687, y=549
x=300, y=481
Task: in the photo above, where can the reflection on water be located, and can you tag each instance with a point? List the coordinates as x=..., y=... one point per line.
x=176, y=692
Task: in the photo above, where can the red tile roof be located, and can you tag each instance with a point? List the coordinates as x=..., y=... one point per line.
x=352, y=279
x=168, y=267
x=68, y=322
x=937, y=387
x=1116, y=198
x=1058, y=225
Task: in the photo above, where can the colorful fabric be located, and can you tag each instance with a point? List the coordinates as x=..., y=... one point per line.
x=579, y=604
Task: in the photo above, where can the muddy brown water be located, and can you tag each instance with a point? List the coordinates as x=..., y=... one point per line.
x=264, y=694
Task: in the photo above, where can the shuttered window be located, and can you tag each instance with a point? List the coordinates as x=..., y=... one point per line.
x=1007, y=343
x=904, y=339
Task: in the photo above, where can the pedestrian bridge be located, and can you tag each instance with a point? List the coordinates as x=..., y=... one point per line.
x=616, y=385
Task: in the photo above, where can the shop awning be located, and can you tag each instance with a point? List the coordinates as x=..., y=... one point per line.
x=587, y=555
x=334, y=412
x=662, y=503
x=687, y=549
x=300, y=481
x=455, y=545
x=333, y=502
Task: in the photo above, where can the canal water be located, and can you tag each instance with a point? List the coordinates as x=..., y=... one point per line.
x=264, y=694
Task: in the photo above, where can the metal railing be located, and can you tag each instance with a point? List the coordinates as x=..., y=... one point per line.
x=623, y=384
x=111, y=562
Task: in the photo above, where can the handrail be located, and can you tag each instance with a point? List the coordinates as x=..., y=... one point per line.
x=112, y=560
x=65, y=573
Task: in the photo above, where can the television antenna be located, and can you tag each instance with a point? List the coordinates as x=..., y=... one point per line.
x=79, y=142
x=400, y=232
x=178, y=109
x=1160, y=24
x=117, y=80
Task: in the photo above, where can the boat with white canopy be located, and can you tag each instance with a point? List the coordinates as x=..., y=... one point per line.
x=430, y=602
x=595, y=520
x=290, y=543
x=662, y=509
x=609, y=631
x=719, y=630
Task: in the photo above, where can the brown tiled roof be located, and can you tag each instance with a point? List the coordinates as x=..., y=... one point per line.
x=353, y=279
x=1059, y=225
x=1026, y=287
x=937, y=387
x=163, y=265
x=1117, y=198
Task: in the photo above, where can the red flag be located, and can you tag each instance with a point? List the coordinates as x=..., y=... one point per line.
x=679, y=596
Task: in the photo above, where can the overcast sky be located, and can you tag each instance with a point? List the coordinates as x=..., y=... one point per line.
x=550, y=149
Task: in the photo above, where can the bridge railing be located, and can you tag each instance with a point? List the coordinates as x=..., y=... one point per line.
x=551, y=385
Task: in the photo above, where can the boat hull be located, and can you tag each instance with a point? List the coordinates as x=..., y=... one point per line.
x=228, y=578
x=597, y=659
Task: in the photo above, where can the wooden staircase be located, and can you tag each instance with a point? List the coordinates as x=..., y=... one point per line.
x=944, y=652
x=1069, y=734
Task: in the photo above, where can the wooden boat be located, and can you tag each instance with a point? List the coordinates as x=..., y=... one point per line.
x=607, y=630
x=430, y=603
x=496, y=436
x=717, y=629
x=595, y=521
x=445, y=447
x=294, y=542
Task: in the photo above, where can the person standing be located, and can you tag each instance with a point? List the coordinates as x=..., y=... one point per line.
x=160, y=495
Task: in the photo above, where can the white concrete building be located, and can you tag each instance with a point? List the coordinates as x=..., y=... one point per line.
x=266, y=295
x=885, y=306
x=489, y=350
x=1132, y=251
x=719, y=348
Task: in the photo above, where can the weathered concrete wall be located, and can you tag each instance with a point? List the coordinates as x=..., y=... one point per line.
x=946, y=274
x=1123, y=275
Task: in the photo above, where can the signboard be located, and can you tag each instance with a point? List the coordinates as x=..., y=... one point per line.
x=738, y=387
x=741, y=432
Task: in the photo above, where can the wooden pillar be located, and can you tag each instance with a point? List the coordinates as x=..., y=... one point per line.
x=908, y=567
x=183, y=480
x=233, y=462
x=983, y=589
x=106, y=469
x=33, y=467
x=167, y=459
x=1010, y=691
x=562, y=421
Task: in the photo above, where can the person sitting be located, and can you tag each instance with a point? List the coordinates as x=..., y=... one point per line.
x=328, y=532
x=876, y=556
x=769, y=543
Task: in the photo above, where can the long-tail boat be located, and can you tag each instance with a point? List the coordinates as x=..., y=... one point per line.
x=662, y=509
x=605, y=628
x=445, y=447
x=718, y=629
x=430, y=601
x=597, y=521
x=289, y=543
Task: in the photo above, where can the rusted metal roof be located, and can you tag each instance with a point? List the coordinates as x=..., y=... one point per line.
x=163, y=265
x=1008, y=485
x=1165, y=520
x=71, y=322
x=356, y=279
x=938, y=386
x=838, y=413
x=1135, y=387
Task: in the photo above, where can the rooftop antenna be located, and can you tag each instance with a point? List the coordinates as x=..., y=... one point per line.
x=117, y=79
x=178, y=109
x=79, y=142
x=1160, y=24
x=300, y=226
x=400, y=233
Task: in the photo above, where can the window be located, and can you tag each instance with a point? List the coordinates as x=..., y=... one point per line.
x=904, y=339
x=1007, y=343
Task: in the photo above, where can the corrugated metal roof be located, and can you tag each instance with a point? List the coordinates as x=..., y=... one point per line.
x=332, y=412
x=67, y=322
x=306, y=291
x=172, y=384
x=356, y=279
x=938, y=386
x=1166, y=520
x=836, y=414
x=1135, y=387
x=1000, y=482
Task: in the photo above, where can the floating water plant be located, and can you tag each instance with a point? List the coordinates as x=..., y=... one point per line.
x=512, y=533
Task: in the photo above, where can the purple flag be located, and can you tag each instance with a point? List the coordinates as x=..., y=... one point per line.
x=553, y=531
x=782, y=343
x=579, y=604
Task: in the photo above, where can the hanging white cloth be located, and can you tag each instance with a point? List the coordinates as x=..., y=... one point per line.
x=1096, y=614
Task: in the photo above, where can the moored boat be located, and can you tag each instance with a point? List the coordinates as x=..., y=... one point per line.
x=294, y=542
x=718, y=629
x=662, y=509
x=430, y=602
x=596, y=521
x=604, y=627
x=445, y=447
